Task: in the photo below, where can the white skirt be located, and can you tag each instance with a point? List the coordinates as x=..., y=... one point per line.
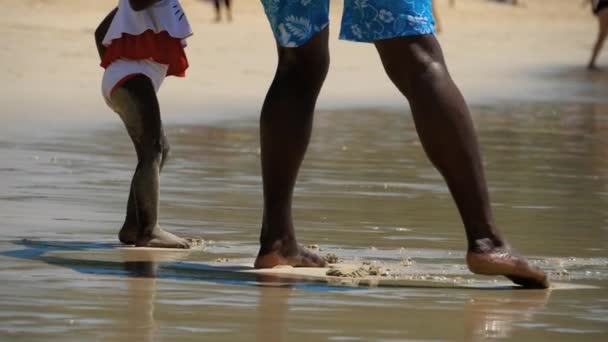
x=121, y=70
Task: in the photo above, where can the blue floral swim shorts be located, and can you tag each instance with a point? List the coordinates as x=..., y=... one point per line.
x=294, y=22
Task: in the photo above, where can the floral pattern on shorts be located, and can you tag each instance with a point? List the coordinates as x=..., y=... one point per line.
x=294, y=22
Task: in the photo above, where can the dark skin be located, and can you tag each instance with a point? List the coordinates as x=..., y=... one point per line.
x=101, y=31
x=139, y=5
x=417, y=68
x=137, y=105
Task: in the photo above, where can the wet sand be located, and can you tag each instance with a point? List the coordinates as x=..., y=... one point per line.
x=366, y=192
x=365, y=184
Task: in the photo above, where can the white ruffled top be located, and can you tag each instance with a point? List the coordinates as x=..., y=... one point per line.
x=165, y=15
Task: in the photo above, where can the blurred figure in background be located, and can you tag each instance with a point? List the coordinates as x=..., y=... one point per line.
x=600, y=9
x=512, y=2
x=218, y=10
x=436, y=15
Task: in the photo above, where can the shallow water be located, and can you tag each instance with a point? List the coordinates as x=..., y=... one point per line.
x=365, y=192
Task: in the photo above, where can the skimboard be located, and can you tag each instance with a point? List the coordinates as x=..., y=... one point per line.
x=351, y=275
x=179, y=264
x=175, y=264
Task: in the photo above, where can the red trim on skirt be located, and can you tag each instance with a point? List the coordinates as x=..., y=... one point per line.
x=160, y=47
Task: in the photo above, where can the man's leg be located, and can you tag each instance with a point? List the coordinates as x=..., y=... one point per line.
x=416, y=66
x=285, y=128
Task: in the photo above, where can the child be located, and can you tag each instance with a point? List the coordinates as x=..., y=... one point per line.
x=140, y=43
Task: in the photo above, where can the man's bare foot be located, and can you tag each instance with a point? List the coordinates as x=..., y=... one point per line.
x=162, y=239
x=484, y=258
x=295, y=256
x=593, y=67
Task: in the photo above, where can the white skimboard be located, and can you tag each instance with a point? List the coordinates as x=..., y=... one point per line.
x=351, y=275
x=175, y=262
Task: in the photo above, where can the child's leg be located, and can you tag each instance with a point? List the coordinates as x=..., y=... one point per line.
x=128, y=232
x=137, y=105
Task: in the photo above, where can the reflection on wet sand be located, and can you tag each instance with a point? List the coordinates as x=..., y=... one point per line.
x=272, y=310
x=487, y=314
x=139, y=323
x=492, y=315
x=136, y=320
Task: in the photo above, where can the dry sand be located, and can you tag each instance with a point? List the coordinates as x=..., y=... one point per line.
x=495, y=52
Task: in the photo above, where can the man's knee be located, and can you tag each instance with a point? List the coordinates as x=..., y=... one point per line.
x=305, y=66
x=420, y=75
x=308, y=64
x=429, y=71
x=413, y=61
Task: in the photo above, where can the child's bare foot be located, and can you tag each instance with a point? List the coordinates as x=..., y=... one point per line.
x=163, y=239
x=487, y=259
x=128, y=234
x=287, y=254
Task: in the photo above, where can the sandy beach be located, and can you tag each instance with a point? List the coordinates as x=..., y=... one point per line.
x=496, y=53
x=366, y=192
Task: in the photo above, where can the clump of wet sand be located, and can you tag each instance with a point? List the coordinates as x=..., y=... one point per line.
x=358, y=271
x=314, y=247
x=195, y=241
x=406, y=262
x=331, y=258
